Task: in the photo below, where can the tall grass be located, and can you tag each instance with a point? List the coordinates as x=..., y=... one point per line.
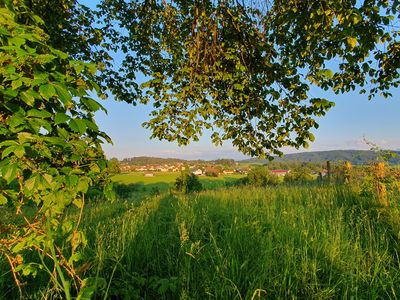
x=245, y=243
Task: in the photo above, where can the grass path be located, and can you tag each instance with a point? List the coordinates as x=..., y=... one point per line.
x=310, y=243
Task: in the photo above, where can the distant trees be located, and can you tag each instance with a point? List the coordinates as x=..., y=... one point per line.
x=212, y=172
x=114, y=166
x=290, y=165
x=225, y=162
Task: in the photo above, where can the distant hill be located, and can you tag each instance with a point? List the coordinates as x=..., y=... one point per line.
x=148, y=160
x=356, y=157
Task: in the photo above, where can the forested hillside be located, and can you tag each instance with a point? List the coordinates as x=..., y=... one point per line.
x=356, y=157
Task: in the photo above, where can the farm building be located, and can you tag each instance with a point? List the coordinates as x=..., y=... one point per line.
x=198, y=172
x=229, y=172
x=280, y=172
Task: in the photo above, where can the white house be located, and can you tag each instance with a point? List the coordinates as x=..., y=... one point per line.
x=198, y=172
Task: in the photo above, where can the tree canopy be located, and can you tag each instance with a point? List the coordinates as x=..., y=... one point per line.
x=242, y=69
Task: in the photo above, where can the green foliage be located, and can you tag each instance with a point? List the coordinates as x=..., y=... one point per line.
x=299, y=174
x=356, y=157
x=245, y=70
x=261, y=177
x=187, y=182
x=212, y=173
x=114, y=166
x=50, y=145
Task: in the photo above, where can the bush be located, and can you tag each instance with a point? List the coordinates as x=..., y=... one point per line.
x=261, y=176
x=188, y=182
x=299, y=174
x=212, y=173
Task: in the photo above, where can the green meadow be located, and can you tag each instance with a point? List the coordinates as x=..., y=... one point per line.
x=163, y=181
x=297, y=242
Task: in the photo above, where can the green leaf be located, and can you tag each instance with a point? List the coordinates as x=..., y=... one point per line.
x=30, y=184
x=327, y=73
x=47, y=91
x=63, y=93
x=91, y=125
x=12, y=149
x=78, y=125
x=48, y=178
x=27, y=98
x=19, y=246
x=17, y=41
x=38, y=113
x=56, y=141
x=311, y=137
x=10, y=93
x=59, y=53
x=82, y=186
x=10, y=172
x=3, y=200
x=8, y=143
x=351, y=41
x=89, y=286
x=238, y=86
x=91, y=104
x=60, y=118
x=26, y=137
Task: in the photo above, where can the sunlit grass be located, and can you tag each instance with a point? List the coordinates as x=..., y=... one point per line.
x=165, y=180
x=310, y=242
x=297, y=242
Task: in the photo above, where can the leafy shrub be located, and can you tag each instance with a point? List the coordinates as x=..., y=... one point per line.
x=212, y=173
x=50, y=149
x=260, y=176
x=188, y=182
x=299, y=174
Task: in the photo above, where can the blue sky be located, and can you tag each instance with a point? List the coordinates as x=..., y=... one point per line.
x=344, y=127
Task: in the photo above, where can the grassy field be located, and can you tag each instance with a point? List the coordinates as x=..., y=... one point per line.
x=311, y=242
x=163, y=181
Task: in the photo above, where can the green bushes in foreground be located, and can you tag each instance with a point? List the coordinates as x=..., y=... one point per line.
x=278, y=243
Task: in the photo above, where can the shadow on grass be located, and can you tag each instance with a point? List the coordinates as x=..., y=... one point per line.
x=146, y=266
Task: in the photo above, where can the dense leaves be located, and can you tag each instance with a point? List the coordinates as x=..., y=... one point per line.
x=50, y=145
x=260, y=176
x=187, y=182
x=242, y=70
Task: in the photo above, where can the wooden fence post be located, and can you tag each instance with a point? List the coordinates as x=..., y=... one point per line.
x=328, y=168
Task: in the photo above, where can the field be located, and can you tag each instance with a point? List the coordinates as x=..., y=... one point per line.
x=163, y=181
x=308, y=242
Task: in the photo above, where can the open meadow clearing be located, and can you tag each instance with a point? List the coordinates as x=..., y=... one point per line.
x=311, y=242
x=135, y=183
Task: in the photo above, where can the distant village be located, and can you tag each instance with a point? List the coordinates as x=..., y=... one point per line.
x=314, y=162
x=213, y=170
